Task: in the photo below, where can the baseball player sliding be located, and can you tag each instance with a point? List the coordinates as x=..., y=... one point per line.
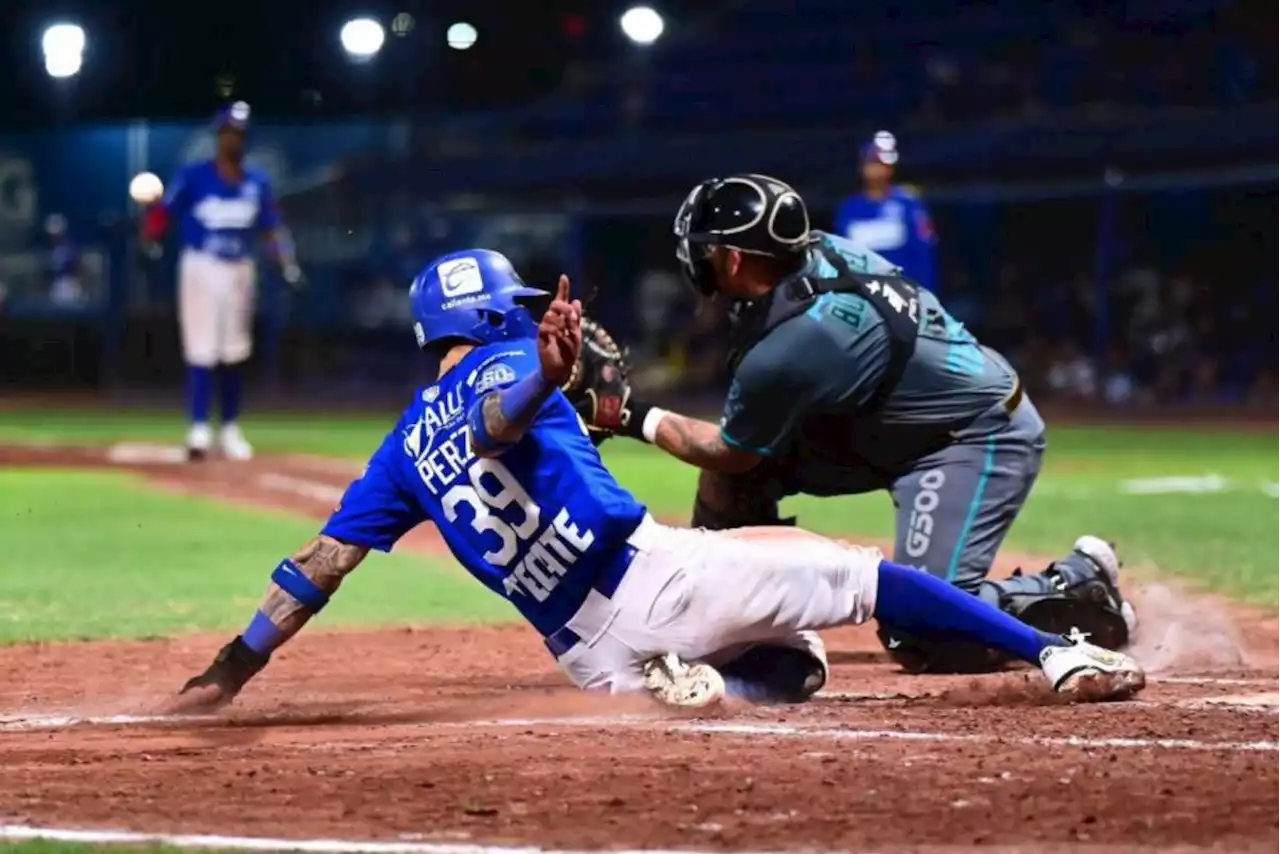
x=499, y=459
x=220, y=207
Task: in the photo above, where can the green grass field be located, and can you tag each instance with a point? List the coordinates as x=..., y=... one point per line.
x=101, y=554
x=97, y=554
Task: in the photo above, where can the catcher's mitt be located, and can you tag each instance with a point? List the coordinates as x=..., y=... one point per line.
x=598, y=386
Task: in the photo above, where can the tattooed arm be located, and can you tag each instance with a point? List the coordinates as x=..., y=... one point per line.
x=492, y=431
x=300, y=587
x=325, y=562
x=502, y=418
x=698, y=443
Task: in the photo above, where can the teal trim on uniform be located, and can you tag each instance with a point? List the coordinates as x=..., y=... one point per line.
x=988, y=461
x=815, y=310
x=739, y=446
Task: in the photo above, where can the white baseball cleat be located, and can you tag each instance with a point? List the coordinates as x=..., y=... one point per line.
x=1103, y=555
x=675, y=683
x=233, y=444
x=199, y=441
x=1091, y=673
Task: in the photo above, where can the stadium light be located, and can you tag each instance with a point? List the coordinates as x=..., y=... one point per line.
x=642, y=25
x=362, y=38
x=461, y=35
x=63, y=46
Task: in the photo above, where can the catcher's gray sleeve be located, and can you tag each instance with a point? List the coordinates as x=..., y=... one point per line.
x=811, y=363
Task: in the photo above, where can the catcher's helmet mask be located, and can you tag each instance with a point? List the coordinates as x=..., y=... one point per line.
x=756, y=214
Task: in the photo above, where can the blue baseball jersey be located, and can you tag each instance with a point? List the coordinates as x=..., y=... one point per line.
x=64, y=260
x=537, y=525
x=899, y=228
x=218, y=217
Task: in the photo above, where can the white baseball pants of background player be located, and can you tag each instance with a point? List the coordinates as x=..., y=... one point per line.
x=215, y=317
x=705, y=595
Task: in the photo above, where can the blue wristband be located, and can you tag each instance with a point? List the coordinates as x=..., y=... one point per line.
x=261, y=636
x=518, y=404
x=521, y=402
x=289, y=578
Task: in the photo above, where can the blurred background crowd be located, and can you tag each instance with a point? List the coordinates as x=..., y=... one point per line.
x=1091, y=185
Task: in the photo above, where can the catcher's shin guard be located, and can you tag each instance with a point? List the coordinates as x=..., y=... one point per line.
x=1085, y=596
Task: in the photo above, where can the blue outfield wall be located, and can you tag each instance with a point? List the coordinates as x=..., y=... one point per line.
x=364, y=224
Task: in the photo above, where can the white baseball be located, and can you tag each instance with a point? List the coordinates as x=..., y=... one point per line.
x=145, y=188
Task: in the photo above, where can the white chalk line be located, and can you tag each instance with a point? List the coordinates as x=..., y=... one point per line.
x=14, y=832
x=1210, y=680
x=327, y=465
x=17, y=723
x=313, y=489
x=813, y=732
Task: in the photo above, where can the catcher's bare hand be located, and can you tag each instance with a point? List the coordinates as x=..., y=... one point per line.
x=560, y=335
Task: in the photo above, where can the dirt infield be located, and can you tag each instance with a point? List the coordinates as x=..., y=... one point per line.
x=469, y=736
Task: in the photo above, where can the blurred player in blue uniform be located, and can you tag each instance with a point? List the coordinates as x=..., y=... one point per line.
x=888, y=220
x=64, y=264
x=498, y=458
x=221, y=207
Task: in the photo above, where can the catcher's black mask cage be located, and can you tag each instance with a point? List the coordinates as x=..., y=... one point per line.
x=751, y=213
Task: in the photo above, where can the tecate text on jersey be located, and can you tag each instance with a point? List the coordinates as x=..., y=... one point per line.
x=550, y=553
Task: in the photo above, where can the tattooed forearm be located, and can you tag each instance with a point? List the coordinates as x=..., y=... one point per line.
x=699, y=443
x=326, y=562
x=492, y=429
x=497, y=425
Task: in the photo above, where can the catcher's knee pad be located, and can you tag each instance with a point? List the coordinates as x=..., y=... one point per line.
x=781, y=672
x=918, y=655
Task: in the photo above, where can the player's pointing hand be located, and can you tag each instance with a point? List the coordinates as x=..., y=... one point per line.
x=560, y=335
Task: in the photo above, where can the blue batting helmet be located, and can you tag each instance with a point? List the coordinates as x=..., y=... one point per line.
x=474, y=295
x=234, y=116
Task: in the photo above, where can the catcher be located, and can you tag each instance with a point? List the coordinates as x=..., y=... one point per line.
x=848, y=378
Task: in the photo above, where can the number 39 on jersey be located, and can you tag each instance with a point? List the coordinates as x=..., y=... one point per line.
x=534, y=553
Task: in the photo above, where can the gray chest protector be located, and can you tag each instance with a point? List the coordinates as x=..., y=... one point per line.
x=894, y=298
x=734, y=501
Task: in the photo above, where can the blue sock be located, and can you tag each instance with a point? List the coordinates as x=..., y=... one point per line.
x=921, y=604
x=230, y=387
x=199, y=390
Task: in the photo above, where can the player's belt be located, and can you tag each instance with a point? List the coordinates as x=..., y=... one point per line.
x=606, y=584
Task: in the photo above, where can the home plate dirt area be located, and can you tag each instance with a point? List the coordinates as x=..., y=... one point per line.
x=467, y=739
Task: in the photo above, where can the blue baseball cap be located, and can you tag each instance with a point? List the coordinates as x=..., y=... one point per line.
x=234, y=116
x=883, y=148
